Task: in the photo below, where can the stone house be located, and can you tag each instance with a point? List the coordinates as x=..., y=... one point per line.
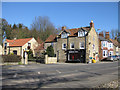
x=18, y=46
x=77, y=44
x=0, y=49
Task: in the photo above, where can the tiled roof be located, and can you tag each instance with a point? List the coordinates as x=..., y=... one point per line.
x=51, y=38
x=18, y=42
x=115, y=42
x=73, y=32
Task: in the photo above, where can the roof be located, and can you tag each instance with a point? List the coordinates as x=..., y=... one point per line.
x=51, y=38
x=18, y=42
x=115, y=42
x=102, y=38
x=73, y=32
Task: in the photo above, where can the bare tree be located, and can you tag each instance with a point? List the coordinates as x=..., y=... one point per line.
x=44, y=26
x=114, y=33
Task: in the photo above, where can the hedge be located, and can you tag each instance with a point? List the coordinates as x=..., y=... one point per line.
x=11, y=58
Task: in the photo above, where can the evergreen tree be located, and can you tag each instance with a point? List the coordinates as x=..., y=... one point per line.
x=50, y=51
x=20, y=26
x=14, y=26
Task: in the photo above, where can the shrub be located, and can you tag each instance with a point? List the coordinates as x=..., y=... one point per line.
x=30, y=54
x=50, y=51
x=11, y=58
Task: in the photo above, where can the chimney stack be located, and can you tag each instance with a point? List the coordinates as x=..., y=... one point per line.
x=101, y=34
x=91, y=24
x=115, y=37
x=63, y=28
x=107, y=36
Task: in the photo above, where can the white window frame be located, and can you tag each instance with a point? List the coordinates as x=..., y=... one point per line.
x=81, y=34
x=81, y=45
x=64, y=35
x=63, y=45
x=71, y=46
x=111, y=53
x=105, y=53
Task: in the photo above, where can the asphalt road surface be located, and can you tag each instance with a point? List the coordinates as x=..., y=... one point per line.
x=70, y=75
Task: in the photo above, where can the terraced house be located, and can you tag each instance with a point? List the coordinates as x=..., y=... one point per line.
x=77, y=44
x=107, y=46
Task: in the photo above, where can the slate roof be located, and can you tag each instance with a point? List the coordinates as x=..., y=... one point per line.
x=18, y=42
x=115, y=42
x=103, y=38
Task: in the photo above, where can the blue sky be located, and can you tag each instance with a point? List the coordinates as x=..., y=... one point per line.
x=71, y=14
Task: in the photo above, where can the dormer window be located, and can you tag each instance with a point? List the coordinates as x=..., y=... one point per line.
x=64, y=35
x=81, y=33
x=29, y=45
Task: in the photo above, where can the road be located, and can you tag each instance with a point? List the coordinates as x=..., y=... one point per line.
x=68, y=75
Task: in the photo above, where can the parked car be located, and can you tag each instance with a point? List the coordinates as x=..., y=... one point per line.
x=113, y=58
x=118, y=57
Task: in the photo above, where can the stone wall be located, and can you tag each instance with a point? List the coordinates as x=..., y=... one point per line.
x=76, y=41
x=18, y=49
x=47, y=44
x=61, y=54
x=50, y=60
x=93, y=40
x=114, y=50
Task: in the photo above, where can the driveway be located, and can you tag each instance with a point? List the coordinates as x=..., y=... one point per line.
x=68, y=75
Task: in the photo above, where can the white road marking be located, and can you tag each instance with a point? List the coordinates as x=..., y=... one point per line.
x=58, y=71
x=15, y=75
x=21, y=66
x=38, y=72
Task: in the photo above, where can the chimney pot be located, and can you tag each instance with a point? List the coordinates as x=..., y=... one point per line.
x=107, y=36
x=91, y=24
x=101, y=34
x=63, y=27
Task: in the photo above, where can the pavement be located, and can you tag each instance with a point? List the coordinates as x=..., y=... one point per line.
x=60, y=75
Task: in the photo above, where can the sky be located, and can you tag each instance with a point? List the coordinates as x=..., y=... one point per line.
x=70, y=14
